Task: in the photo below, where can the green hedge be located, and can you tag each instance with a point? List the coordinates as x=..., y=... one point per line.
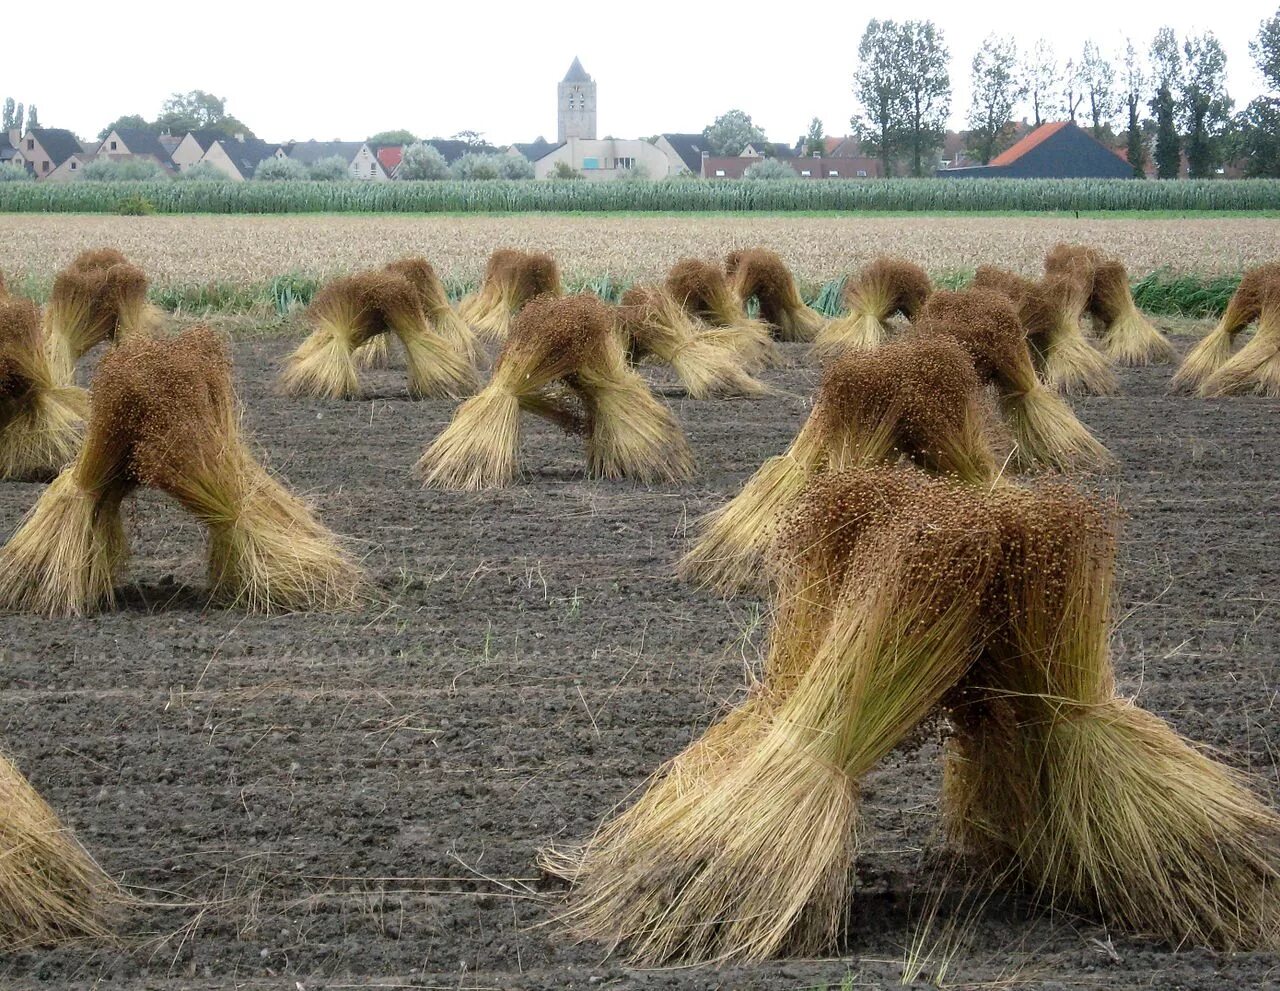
x=666, y=196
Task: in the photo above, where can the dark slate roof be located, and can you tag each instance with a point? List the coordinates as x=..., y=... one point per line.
x=7, y=150
x=310, y=152
x=453, y=150
x=534, y=150
x=576, y=73
x=140, y=142
x=205, y=138
x=690, y=148
x=248, y=154
x=59, y=144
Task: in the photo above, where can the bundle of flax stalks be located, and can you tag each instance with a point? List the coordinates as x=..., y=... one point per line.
x=400, y=299
x=900, y=596
x=1211, y=370
x=511, y=279
x=654, y=328
x=760, y=274
x=1065, y=787
x=706, y=294
x=1045, y=431
x=164, y=415
x=50, y=889
x=562, y=360
x=884, y=288
x=1127, y=337
x=40, y=420
x=918, y=397
x=1052, y=310
x=98, y=297
x=744, y=848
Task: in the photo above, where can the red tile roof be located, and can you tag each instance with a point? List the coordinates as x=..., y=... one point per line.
x=1032, y=140
x=389, y=157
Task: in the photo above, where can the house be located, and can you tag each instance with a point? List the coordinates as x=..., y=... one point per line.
x=683, y=151
x=361, y=161
x=768, y=149
x=1061, y=150
x=9, y=143
x=238, y=158
x=811, y=167
x=45, y=148
x=605, y=158
x=72, y=169
x=126, y=143
x=192, y=147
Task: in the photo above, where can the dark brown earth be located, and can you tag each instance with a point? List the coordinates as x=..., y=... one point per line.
x=336, y=801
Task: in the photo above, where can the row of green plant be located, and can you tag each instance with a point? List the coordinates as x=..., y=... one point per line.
x=963, y=195
x=1160, y=293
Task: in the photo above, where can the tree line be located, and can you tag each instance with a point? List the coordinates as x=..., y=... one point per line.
x=1166, y=100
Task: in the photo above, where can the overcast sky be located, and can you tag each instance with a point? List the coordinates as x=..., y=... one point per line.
x=346, y=72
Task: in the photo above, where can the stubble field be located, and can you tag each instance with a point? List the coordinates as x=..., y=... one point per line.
x=356, y=800
x=182, y=250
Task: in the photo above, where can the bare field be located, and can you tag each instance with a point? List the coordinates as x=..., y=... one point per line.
x=252, y=249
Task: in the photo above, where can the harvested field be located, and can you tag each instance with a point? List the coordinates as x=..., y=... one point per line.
x=180, y=250
x=356, y=800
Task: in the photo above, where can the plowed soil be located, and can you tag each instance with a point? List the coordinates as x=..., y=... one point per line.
x=357, y=800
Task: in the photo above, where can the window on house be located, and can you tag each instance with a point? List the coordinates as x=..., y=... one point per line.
x=73, y=166
x=720, y=173
x=833, y=174
x=113, y=146
x=591, y=163
x=862, y=173
x=625, y=163
x=31, y=144
x=806, y=173
x=44, y=167
x=373, y=168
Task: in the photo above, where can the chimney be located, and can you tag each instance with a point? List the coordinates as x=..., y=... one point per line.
x=240, y=136
x=817, y=154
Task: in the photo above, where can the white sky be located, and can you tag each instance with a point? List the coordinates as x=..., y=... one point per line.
x=329, y=71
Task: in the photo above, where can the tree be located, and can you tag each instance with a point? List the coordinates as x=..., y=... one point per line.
x=10, y=114
x=926, y=86
x=1166, y=73
x=732, y=131
x=33, y=121
x=879, y=88
x=126, y=170
x=9, y=172
x=1041, y=76
x=202, y=172
x=423, y=161
x=333, y=168
x=133, y=122
x=1098, y=85
x=768, y=169
x=1265, y=50
x=997, y=89
x=198, y=111
x=1072, y=89
x=1205, y=105
x=1257, y=129
x=19, y=117
x=1134, y=84
x=815, y=140
x=472, y=139
x=393, y=138
x=280, y=170
x=514, y=166
x=472, y=166
x=563, y=170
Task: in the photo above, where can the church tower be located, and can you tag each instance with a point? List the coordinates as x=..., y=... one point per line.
x=577, y=105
